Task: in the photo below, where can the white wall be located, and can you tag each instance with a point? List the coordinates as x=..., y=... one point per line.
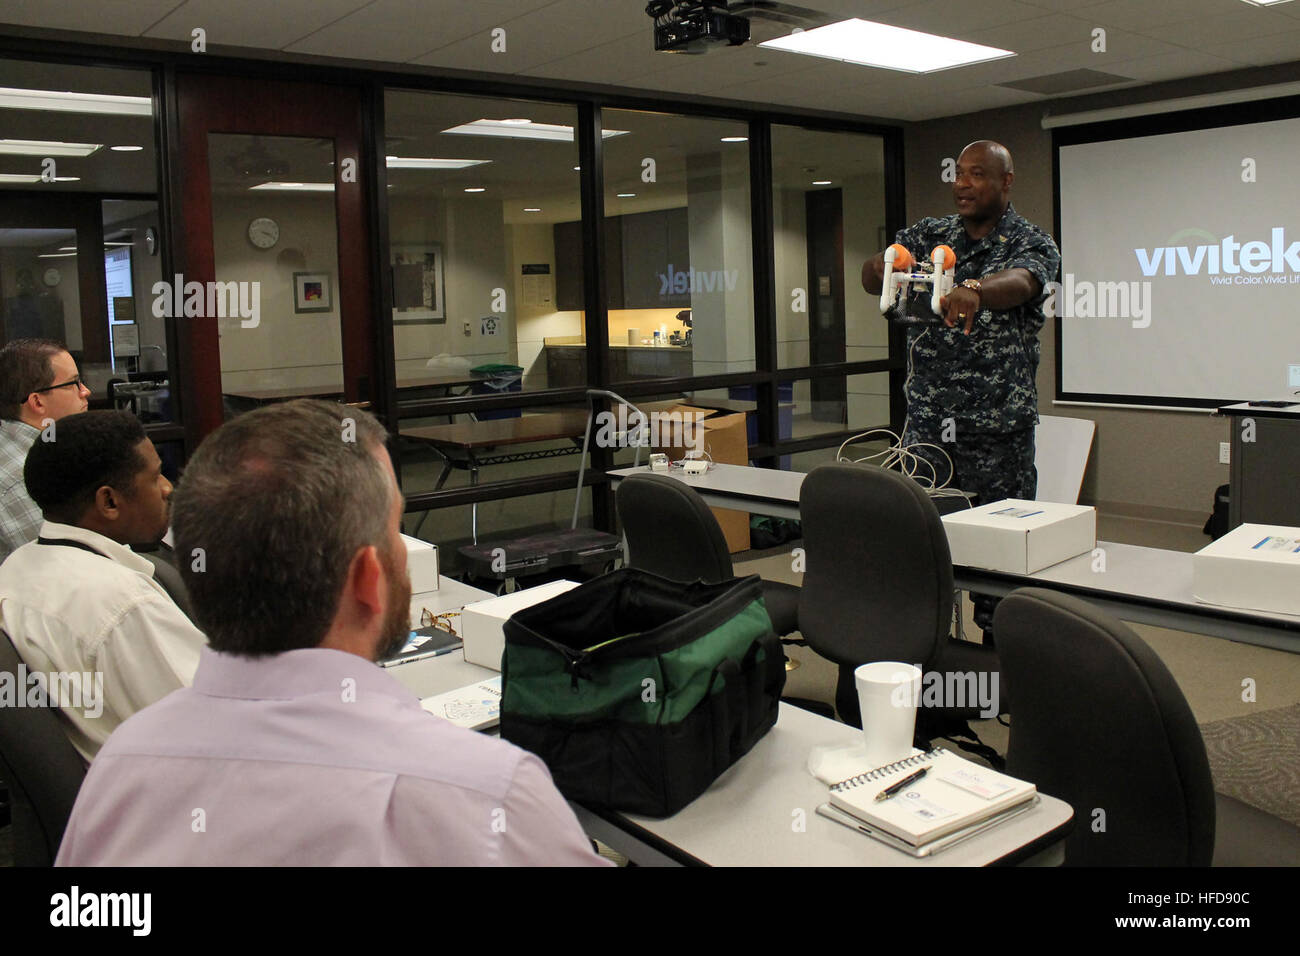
x=285, y=348
x=722, y=337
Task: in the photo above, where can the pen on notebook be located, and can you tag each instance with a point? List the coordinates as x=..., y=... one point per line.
x=902, y=784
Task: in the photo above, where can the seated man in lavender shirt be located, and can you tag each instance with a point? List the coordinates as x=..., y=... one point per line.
x=293, y=747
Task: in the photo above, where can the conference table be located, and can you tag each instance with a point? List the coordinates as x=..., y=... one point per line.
x=1145, y=585
x=262, y=394
x=472, y=446
x=763, y=810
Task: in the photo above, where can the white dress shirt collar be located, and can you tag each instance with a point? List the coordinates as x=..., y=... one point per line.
x=120, y=553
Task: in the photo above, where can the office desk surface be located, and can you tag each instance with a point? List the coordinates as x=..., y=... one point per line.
x=271, y=393
x=1146, y=585
x=503, y=431
x=763, y=812
x=759, y=490
x=437, y=675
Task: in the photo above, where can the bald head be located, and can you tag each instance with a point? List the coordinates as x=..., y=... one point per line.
x=982, y=188
x=993, y=154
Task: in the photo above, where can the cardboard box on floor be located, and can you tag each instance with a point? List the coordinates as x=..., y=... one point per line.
x=724, y=438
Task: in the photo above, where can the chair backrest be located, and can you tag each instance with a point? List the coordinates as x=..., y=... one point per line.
x=670, y=530
x=877, y=582
x=168, y=575
x=1061, y=449
x=1099, y=722
x=41, y=767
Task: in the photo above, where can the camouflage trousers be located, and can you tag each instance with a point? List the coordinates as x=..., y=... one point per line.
x=992, y=467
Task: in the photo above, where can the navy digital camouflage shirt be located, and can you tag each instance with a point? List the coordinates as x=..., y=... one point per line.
x=984, y=381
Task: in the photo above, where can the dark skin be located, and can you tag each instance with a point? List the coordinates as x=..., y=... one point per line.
x=137, y=514
x=982, y=192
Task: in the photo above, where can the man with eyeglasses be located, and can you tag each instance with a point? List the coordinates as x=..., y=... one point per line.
x=39, y=384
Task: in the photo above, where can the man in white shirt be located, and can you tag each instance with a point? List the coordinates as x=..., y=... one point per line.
x=39, y=384
x=77, y=600
x=293, y=747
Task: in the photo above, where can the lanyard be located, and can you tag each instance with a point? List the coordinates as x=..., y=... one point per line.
x=69, y=543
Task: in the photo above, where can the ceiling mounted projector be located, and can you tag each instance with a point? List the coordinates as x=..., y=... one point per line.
x=689, y=26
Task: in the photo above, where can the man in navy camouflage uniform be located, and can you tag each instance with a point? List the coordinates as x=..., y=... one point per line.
x=972, y=389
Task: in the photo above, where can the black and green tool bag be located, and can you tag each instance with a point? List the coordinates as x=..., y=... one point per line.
x=637, y=691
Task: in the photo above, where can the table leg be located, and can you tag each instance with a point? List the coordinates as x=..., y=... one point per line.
x=473, y=480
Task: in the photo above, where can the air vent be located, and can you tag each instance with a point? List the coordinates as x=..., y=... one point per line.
x=1068, y=82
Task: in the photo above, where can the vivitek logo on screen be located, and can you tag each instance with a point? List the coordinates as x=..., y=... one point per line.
x=1227, y=257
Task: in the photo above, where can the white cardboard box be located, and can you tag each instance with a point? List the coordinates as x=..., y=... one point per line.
x=483, y=623
x=1253, y=566
x=1020, y=537
x=421, y=564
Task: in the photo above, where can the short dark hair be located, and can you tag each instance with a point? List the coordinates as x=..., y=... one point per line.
x=268, y=516
x=25, y=367
x=78, y=455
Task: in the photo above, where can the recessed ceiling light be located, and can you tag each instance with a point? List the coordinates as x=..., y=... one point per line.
x=890, y=48
x=513, y=130
x=67, y=179
x=821, y=182
x=577, y=169
x=61, y=102
x=119, y=244
x=1265, y=3
x=41, y=147
x=475, y=189
x=532, y=209
x=735, y=139
x=19, y=178
x=295, y=187
x=516, y=122
x=626, y=195
x=55, y=255
x=415, y=162
x=126, y=149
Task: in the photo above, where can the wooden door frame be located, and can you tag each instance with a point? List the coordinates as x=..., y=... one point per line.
x=210, y=103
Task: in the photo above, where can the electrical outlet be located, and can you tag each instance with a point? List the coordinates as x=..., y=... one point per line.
x=1225, y=453
x=467, y=329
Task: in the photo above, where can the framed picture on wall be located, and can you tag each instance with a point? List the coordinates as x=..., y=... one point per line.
x=311, y=292
x=419, y=289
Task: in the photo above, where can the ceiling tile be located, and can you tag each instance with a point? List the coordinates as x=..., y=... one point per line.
x=1259, y=51
x=398, y=31
x=1150, y=15
x=270, y=26
x=1024, y=36
x=122, y=17
x=946, y=18
x=1174, y=66
x=550, y=33
x=612, y=62
x=1222, y=29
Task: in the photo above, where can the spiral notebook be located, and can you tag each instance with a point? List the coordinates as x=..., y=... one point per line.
x=954, y=795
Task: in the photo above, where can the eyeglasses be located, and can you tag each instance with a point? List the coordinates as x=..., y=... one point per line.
x=442, y=621
x=49, y=388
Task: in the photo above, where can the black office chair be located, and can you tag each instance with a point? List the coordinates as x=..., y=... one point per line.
x=167, y=574
x=42, y=768
x=672, y=533
x=878, y=586
x=1101, y=724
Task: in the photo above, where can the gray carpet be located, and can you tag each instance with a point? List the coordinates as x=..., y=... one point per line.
x=1256, y=759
